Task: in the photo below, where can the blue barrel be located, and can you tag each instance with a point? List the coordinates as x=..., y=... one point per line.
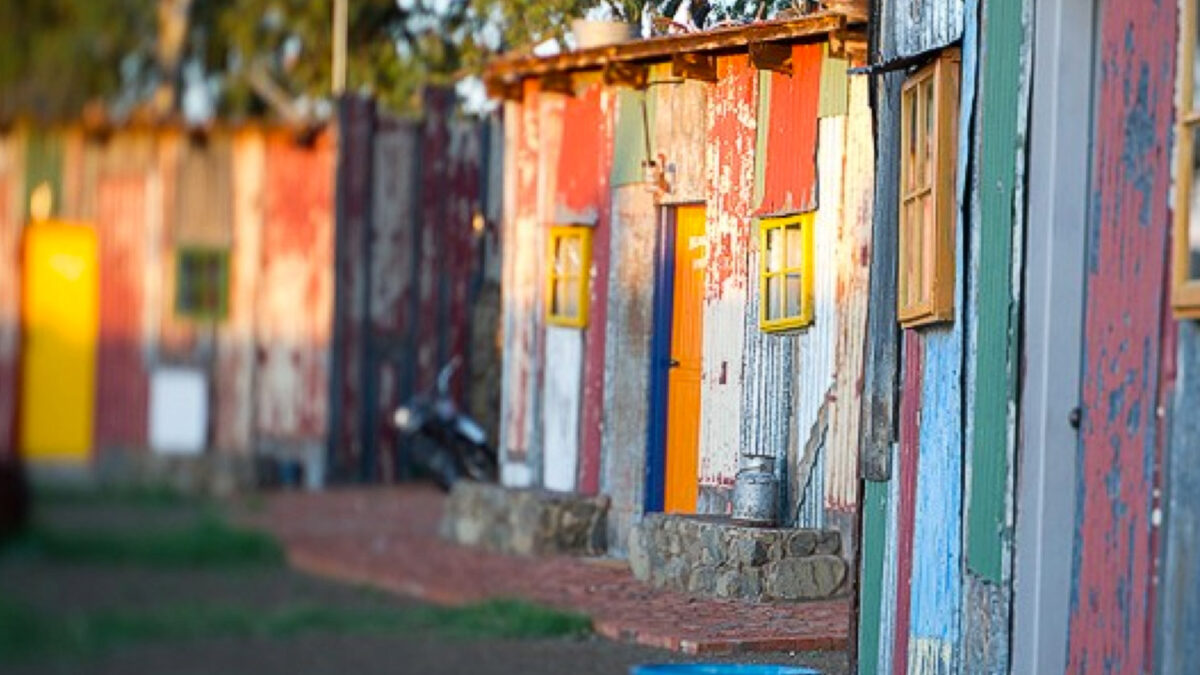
x=719, y=669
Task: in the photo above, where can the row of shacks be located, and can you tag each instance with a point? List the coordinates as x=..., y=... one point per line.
x=235, y=292
x=943, y=280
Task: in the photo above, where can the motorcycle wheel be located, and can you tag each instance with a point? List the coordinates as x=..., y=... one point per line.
x=443, y=469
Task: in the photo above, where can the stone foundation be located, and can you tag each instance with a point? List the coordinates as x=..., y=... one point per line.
x=525, y=522
x=714, y=557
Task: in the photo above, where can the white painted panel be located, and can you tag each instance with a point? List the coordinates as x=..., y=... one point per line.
x=178, y=411
x=560, y=411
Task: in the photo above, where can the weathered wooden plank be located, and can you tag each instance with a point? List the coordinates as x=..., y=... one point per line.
x=1111, y=594
x=871, y=630
x=882, y=363
x=835, y=83
x=43, y=163
x=631, y=146
x=730, y=166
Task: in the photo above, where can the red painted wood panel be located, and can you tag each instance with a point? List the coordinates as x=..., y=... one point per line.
x=1111, y=601
x=790, y=169
x=731, y=99
x=910, y=441
x=584, y=168
x=122, y=384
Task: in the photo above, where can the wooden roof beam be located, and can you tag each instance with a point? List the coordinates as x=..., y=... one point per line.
x=622, y=74
x=773, y=56
x=694, y=66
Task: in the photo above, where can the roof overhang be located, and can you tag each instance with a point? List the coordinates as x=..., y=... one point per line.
x=691, y=54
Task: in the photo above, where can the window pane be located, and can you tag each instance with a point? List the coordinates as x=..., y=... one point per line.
x=910, y=153
x=567, y=258
x=1193, y=233
x=930, y=116
x=774, y=298
x=794, y=248
x=793, y=296
x=774, y=252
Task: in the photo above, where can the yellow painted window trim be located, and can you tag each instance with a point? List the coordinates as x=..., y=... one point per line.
x=582, y=288
x=805, y=318
x=1185, y=289
x=935, y=300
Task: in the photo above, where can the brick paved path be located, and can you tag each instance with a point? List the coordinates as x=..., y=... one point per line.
x=388, y=538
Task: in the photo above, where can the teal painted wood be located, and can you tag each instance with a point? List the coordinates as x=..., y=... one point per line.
x=996, y=309
x=874, y=532
x=635, y=116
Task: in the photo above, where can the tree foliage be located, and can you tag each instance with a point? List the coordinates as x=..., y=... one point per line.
x=256, y=57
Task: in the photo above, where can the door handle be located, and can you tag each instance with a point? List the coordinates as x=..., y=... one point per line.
x=672, y=363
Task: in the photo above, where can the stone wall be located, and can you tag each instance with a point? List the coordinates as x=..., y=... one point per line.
x=526, y=521
x=714, y=557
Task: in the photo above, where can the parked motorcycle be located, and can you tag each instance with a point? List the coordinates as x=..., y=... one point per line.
x=445, y=442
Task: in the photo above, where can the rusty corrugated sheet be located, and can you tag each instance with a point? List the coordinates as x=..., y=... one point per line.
x=122, y=384
x=295, y=296
x=790, y=161
x=853, y=262
x=1110, y=620
x=233, y=376
x=731, y=128
x=10, y=285
x=814, y=373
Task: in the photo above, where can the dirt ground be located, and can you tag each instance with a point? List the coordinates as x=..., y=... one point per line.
x=67, y=589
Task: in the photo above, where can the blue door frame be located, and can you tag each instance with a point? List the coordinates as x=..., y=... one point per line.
x=660, y=358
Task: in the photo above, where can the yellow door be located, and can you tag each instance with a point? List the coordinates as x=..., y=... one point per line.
x=683, y=383
x=58, y=359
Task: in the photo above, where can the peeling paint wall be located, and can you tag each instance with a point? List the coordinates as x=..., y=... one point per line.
x=918, y=26
x=1112, y=596
x=731, y=130
x=522, y=292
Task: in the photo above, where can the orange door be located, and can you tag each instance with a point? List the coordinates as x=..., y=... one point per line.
x=683, y=383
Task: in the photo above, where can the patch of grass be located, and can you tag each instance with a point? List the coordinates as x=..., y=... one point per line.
x=149, y=496
x=209, y=541
x=27, y=634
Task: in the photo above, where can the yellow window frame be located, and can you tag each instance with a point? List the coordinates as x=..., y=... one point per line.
x=929, y=121
x=804, y=270
x=1185, y=287
x=573, y=281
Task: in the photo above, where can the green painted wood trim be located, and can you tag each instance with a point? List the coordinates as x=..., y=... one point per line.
x=760, y=137
x=874, y=536
x=835, y=86
x=997, y=313
x=629, y=142
x=43, y=162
